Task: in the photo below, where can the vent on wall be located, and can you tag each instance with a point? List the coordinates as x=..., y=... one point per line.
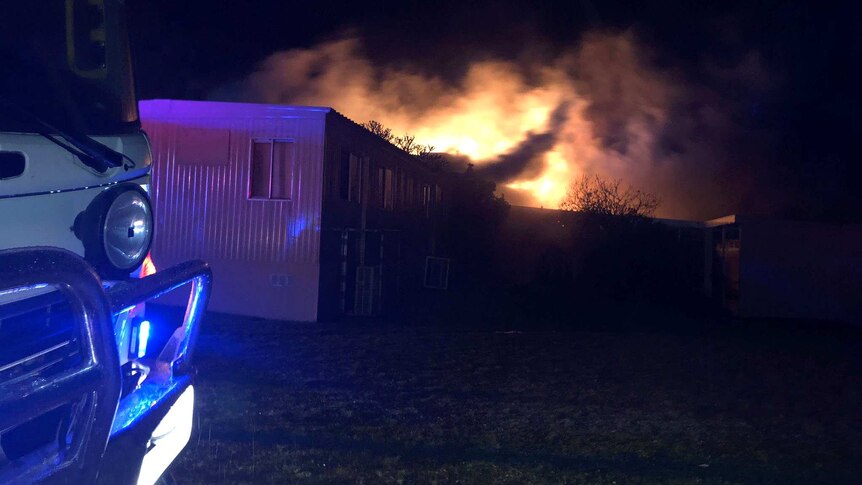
x=12, y=164
x=278, y=279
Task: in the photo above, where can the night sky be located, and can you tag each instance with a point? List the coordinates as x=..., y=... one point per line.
x=795, y=110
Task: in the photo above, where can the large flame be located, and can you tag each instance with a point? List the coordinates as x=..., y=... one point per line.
x=494, y=113
x=551, y=186
x=494, y=108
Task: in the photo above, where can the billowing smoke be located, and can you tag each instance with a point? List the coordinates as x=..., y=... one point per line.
x=527, y=159
x=602, y=107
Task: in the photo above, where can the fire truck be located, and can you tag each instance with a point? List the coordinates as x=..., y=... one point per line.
x=92, y=390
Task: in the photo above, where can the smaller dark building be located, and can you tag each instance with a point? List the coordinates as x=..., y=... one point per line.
x=772, y=268
x=750, y=267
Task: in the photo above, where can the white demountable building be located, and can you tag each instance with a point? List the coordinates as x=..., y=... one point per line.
x=301, y=213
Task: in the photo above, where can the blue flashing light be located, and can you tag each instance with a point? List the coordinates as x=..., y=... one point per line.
x=143, y=337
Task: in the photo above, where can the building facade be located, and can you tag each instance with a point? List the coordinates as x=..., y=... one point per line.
x=302, y=213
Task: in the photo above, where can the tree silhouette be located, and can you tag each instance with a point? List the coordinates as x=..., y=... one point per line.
x=408, y=144
x=377, y=128
x=595, y=195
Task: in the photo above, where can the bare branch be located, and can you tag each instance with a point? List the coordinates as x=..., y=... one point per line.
x=596, y=195
x=378, y=129
x=407, y=143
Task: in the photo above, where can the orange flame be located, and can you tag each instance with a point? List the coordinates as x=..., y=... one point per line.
x=148, y=267
x=492, y=109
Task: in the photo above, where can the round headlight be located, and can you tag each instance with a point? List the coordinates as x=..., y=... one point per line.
x=127, y=230
x=117, y=229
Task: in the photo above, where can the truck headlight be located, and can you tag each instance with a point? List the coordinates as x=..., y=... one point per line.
x=128, y=230
x=117, y=229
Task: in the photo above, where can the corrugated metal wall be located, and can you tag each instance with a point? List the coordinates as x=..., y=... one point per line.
x=265, y=253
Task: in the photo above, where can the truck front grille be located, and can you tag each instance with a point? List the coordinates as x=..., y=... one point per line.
x=39, y=338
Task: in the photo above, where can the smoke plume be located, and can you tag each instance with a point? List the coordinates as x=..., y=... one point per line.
x=602, y=107
x=526, y=160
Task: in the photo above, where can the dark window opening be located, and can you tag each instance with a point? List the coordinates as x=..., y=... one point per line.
x=426, y=199
x=410, y=196
x=344, y=175
x=401, y=196
x=388, y=190
x=436, y=273
x=385, y=190
x=261, y=169
x=355, y=179
x=272, y=165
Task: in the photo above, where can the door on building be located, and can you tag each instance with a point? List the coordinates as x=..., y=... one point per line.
x=359, y=276
x=725, y=267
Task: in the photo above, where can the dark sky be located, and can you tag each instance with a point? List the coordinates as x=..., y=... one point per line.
x=811, y=106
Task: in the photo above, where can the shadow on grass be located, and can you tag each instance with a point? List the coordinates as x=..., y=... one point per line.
x=654, y=467
x=789, y=385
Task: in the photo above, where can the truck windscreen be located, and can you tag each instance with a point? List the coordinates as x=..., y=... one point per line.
x=67, y=63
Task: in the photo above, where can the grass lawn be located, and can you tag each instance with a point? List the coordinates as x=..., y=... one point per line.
x=375, y=403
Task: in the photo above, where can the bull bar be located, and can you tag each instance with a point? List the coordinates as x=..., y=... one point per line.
x=109, y=428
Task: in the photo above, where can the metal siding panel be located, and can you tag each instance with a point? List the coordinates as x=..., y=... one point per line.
x=203, y=211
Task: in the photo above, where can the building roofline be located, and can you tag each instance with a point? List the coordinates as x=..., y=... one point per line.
x=167, y=109
x=181, y=108
x=722, y=221
x=413, y=159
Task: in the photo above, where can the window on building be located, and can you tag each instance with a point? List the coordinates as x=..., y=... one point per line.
x=426, y=199
x=261, y=169
x=344, y=175
x=379, y=181
x=282, y=170
x=354, y=179
x=410, y=197
x=385, y=190
x=389, y=190
x=272, y=166
x=400, y=196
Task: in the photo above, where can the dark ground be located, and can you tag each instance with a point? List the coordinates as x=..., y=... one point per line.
x=370, y=402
